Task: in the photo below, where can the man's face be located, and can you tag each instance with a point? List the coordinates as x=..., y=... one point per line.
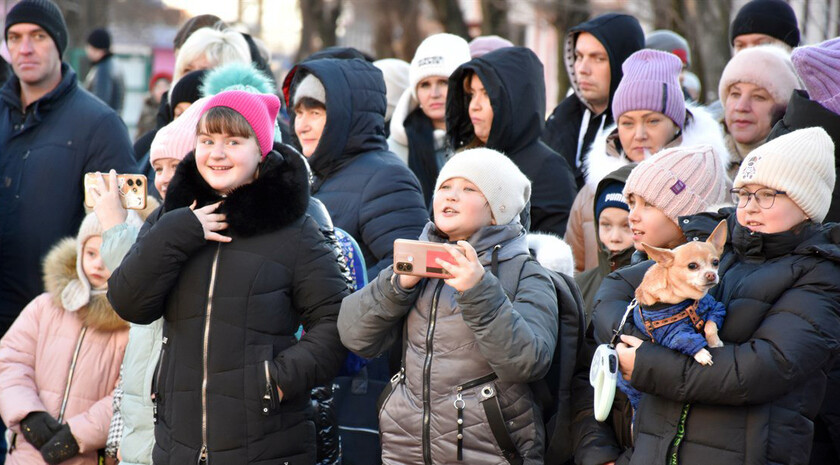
x=592, y=69
x=35, y=57
x=753, y=40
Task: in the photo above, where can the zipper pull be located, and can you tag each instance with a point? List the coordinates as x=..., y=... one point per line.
x=202, y=458
x=459, y=406
x=154, y=408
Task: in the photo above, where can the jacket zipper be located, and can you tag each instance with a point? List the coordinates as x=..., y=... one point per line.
x=70, y=375
x=427, y=373
x=156, y=397
x=267, y=403
x=203, y=455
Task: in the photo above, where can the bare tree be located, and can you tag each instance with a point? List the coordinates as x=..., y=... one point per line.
x=318, y=25
x=449, y=13
x=565, y=14
x=397, y=32
x=495, y=18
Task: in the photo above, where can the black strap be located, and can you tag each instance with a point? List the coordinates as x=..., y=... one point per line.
x=497, y=426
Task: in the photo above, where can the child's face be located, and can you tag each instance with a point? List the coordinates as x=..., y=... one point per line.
x=227, y=162
x=92, y=264
x=614, y=229
x=309, y=125
x=651, y=226
x=164, y=170
x=781, y=216
x=461, y=209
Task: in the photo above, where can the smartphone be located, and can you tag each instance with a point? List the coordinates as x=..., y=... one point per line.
x=417, y=258
x=132, y=189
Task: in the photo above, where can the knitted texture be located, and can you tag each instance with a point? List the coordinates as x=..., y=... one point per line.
x=178, y=138
x=187, y=89
x=818, y=67
x=100, y=38
x=260, y=110
x=506, y=194
x=651, y=82
x=766, y=66
x=800, y=163
x=43, y=13
x=680, y=181
x=774, y=18
x=311, y=87
x=610, y=197
x=438, y=55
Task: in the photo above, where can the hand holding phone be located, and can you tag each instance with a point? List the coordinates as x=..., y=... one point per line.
x=457, y=265
x=131, y=188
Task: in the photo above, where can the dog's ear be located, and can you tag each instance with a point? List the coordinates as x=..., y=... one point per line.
x=718, y=237
x=663, y=257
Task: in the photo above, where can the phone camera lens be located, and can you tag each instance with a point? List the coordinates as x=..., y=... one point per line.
x=409, y=267
x=403, y=266
x=130, y=182
x=139, y=182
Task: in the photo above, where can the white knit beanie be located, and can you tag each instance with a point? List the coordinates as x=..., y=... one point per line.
x=311, y=87
x=766, y=66
x=438, y=55
x=800, y=163
x=506, y=189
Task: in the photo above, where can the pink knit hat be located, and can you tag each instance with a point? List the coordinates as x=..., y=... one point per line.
x=178, y=138
x=260, y=110
x=651, y=82
x=766, y=66
x=482, y=45
x=680, y=181
x=817, y=65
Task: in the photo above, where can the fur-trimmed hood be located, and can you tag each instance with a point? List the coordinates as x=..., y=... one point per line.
x=60, y=270
x=277, y=198
x=604, y=157
x=552, y=252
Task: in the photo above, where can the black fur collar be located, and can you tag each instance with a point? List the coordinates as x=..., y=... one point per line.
x=278, y=196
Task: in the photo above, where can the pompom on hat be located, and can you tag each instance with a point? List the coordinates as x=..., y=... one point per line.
x=799, y=163
x=680, y=181
x=438, y=55
x=651, y=82
x=259, y=110
x=506, y=194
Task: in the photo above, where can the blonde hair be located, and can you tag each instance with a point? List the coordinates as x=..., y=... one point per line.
x=218, y=47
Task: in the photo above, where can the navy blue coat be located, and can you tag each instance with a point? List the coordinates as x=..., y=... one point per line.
x=369, y=192
x=44, y=154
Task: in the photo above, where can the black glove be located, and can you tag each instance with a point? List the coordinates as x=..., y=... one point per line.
x=38, y=428
x=61, y=447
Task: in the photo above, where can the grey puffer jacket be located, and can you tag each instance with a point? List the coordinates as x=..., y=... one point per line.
x=454, y=339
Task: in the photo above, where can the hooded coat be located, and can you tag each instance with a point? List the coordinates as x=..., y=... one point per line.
x=230, y=313
x=368, y=191
x=621, y=35
x=513, y=78
x=46, y=150
x=606, y=156
x=36, y=357
x=454, y=339
x=757, y=403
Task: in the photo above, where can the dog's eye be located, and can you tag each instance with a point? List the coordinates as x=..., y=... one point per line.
x=715, y=262
x=692, y=266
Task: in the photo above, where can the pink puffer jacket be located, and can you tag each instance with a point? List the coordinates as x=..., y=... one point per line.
x=35, y=358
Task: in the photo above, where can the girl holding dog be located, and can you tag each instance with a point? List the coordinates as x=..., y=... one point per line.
x=780, y=281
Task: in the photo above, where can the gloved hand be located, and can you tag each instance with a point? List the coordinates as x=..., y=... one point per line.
x=61, y=447
x=38, y=428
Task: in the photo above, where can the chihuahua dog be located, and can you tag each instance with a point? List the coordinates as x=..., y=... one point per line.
x=674, y=308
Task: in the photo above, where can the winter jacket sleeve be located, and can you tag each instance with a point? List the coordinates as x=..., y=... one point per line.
x=392, y=207
x=318, y=289
x=17, y=365
x=799, y=335
x=517, y=338
x=116, y=242
x=138, y=287
x=90, y=428
x=370, y=319
x=553, y=191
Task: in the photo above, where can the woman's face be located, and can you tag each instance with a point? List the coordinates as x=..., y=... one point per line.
x=481, y=113
x=644, y=132
x=431, y=93
x=749, y=112
x=460, y=209
x=200, y=62
x=651, y=226
x=782, y=216
x=309, y=126
x=227, y=162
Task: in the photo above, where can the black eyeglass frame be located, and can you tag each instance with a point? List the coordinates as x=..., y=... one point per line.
x=736, y=198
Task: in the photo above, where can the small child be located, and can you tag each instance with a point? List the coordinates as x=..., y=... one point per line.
x=60, y=360
x=465, y=342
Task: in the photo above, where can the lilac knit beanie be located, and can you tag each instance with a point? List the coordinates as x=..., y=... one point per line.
x=260, y=110
x=651, y=82
x=818, y=67
x=680, y=181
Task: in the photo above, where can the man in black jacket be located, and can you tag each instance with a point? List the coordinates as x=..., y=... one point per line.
x=51, y=133
x=594, y=52
x=104, y=79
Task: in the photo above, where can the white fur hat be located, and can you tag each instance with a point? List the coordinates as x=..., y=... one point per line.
x=766, y=66
x=311, y=87
x=438, y=55
x=800, y=163
x=506, y=189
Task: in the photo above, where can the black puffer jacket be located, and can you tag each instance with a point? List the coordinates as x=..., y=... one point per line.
x=757, y=403
x=368, y=191
x=513, y=78
x=231, y=311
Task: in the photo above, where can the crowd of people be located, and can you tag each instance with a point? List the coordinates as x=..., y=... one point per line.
x=212, y=325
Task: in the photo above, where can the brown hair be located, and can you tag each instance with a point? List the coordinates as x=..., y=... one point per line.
x=475, y=142
x=224, y=120
x=309, y=103
x=193, y=24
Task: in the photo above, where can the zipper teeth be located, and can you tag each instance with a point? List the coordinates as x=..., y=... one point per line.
x=206, y=344
x=70, y=374
x=267, y=377
x=427, y=373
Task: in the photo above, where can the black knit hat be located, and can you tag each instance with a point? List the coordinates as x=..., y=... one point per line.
x=44, y=13
x=774, y=18
x=100, y=38
x=187, y=88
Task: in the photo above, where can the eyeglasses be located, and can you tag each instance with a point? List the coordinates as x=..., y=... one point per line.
x=763, y=197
